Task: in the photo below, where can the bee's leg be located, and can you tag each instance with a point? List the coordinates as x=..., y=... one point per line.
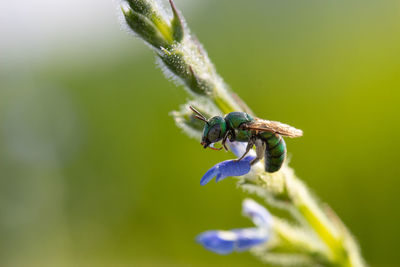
x=260, y=151
x=224, y=141
x=250, y=145
x=232, y=136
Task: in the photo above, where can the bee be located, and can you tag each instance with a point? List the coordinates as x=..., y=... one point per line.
x=265, y=135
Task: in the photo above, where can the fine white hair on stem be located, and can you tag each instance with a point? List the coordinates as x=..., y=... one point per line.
x=172, y=77
x=120, y=7
x=180, y=122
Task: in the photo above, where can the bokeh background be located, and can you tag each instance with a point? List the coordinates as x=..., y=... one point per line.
x=93, y=171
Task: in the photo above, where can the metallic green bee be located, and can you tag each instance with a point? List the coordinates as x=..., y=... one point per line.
x=242, y=127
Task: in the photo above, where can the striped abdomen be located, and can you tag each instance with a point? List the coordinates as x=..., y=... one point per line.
x=275, y=152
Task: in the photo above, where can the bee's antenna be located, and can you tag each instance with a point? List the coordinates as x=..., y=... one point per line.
x=199, y=115
x=201, y=118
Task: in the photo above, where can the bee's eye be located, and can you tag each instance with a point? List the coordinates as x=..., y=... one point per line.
x=213, y=134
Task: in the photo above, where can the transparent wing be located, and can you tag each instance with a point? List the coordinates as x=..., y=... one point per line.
x=273, y=127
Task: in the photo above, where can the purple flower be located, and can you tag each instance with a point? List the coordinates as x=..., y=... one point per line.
x=227, y=168
x=225, y=242
x=230, y=167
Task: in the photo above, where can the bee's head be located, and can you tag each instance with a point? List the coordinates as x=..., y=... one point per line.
x=214, y=129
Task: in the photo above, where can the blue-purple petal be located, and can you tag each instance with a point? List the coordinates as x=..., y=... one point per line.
x=239, y=148
x=225, y=242
x=211, y=173
x=227, y=168
x=259, y=214
x=220, y=242
x=250, y=237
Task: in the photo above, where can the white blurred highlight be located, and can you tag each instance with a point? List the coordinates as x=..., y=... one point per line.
x=34, y=31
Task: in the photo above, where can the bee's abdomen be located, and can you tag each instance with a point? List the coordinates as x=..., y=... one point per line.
x=275, y=153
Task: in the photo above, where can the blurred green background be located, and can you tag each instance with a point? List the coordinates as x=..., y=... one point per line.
x=93, y=171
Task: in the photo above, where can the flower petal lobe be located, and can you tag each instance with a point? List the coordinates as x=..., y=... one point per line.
x=227, y=168
x=259, y=214
x=225, y=242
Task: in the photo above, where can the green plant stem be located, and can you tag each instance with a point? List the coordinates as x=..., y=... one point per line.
x=185, y=60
